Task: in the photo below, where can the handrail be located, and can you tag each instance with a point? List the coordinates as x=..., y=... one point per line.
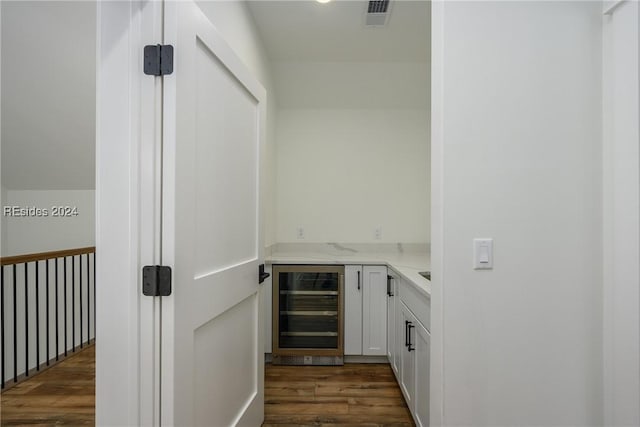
x=63, y=284
x=41, y=256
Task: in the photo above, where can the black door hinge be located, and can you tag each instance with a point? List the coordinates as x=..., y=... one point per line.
x=156, y=280
x=158, y=59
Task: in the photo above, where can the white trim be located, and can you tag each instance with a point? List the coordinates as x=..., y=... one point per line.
x=126, y=382
x=607, y=200
x=149, y=135
x=611, y=6
x=621, y=231
x=167, y=346
x=437, y=413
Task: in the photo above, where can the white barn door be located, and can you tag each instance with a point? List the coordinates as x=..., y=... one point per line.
x=212, y=362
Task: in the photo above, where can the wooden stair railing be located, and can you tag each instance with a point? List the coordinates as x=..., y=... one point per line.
x=45, y=298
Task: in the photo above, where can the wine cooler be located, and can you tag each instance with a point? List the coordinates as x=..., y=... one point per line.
x=308, y=309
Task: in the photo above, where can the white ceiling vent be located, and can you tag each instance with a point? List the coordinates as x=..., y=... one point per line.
x=378, y=12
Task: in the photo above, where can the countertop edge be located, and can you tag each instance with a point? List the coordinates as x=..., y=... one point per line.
x=410, y=274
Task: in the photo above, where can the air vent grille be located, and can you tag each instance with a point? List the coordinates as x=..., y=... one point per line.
x=378, y=6
x=378, y=12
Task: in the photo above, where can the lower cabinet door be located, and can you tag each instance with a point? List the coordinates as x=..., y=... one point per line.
x=392, y=300
x=353, y=310
x=421, y=378
x=407, y=358
x=374, y=310
x=398, y=338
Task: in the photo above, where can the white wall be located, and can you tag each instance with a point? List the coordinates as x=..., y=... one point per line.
x=344, y=85
x=48, y=132
x=344, y=172
x=235, y=22
x=3, y=190
x=621, y=212
x=33, y=234
x=3, y=223
x=517, y=157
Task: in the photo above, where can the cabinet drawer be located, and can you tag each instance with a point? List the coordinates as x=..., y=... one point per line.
x=417, y=303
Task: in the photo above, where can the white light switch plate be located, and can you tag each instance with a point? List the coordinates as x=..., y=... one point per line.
x=482, y=254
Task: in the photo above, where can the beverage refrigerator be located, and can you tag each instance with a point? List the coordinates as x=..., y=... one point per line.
x=308, y=313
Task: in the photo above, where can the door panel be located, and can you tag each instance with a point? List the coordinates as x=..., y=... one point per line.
x=212, y=363
x=215, y=398
x=226, y=153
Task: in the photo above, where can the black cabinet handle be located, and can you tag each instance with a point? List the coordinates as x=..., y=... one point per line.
x=409, y=348
x=358, y=279
x=389, y=279
x=406, y=333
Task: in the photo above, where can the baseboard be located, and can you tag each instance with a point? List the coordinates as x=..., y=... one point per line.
x=366, y=359
x=347, y=359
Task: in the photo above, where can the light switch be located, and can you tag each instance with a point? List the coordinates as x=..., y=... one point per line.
x=482, y=254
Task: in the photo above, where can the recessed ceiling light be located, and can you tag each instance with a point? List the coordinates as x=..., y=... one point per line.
x=323, y=1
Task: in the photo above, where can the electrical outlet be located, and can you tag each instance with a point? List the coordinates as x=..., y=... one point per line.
x=300, y=233
x=377, y=234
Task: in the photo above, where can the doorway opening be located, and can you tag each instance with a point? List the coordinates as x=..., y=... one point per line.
x=348, y=156
x=48, y=105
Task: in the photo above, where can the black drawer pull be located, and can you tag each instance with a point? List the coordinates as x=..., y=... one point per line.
x=409, y=346
x=406, y=333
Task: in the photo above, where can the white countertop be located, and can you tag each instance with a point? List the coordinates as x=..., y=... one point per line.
x=406, y=260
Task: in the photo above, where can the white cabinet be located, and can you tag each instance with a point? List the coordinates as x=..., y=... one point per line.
x=407, y=357
x=414, y=366
x=353, y=310
x=392, y=309
x=422, y=358
x=411, y=341
x=417, y=303
x=365, y=308
x=374, y=310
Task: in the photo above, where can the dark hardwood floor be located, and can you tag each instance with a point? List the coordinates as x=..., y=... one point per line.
x=62, y=395
x=364, y=395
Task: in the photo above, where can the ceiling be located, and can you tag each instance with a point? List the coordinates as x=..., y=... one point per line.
x=48, y=95
x=305, y=30
x=323, y=56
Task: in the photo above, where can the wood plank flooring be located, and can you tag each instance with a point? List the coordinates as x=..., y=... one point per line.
x=364, y=395
x=62, y=395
